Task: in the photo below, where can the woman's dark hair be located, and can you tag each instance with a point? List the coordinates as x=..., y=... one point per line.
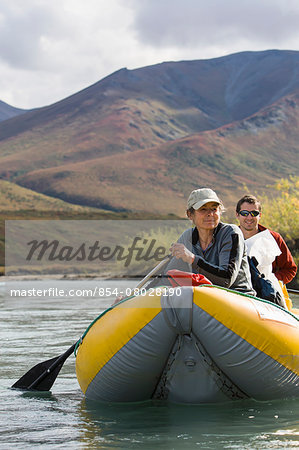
x=251, y=199
x=190, y=211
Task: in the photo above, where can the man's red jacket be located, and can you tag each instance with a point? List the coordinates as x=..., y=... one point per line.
x=283, y=266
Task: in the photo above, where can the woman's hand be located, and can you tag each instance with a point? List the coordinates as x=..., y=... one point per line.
x=118, y=299
x=179, y=251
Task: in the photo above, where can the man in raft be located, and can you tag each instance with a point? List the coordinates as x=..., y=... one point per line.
x=267, y=246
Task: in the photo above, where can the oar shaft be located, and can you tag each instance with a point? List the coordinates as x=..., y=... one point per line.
x=152, y=272
x=293, y=291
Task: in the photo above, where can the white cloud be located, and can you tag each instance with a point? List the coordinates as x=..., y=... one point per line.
x=200, y=22
x=22, y=31
x=52, y=49
x=49, y=50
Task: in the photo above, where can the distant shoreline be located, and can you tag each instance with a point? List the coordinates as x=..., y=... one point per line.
x=72, y=277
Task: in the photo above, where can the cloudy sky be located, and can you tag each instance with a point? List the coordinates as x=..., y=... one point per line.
x=50, y=49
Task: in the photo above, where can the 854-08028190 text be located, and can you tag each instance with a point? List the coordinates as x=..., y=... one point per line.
x=97, y=291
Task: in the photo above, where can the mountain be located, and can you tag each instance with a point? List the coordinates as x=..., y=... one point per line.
x=7, y=111
x=141, y=139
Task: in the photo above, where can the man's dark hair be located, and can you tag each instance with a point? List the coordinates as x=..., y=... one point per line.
x=248, y=199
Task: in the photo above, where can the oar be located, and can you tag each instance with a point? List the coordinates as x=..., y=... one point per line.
x=293, y=291
x=42, y=376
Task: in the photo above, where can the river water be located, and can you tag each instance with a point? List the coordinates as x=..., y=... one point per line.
x=34, y=329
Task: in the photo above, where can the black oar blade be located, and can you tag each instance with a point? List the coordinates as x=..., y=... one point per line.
x=46, y=382
x=42, y=376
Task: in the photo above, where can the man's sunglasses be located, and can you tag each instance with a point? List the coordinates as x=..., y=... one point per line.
x=246, y=213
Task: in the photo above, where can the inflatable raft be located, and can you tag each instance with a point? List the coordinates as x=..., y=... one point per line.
x=190, y=345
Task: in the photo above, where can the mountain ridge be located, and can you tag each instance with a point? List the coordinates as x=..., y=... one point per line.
x=229, y=114
x=7, y=111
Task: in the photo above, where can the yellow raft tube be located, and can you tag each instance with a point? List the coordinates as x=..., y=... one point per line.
x=190, y=345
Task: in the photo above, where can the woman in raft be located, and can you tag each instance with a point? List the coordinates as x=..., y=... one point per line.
x=212, y=248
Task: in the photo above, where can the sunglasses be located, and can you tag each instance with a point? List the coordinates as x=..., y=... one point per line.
x=246, y=213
